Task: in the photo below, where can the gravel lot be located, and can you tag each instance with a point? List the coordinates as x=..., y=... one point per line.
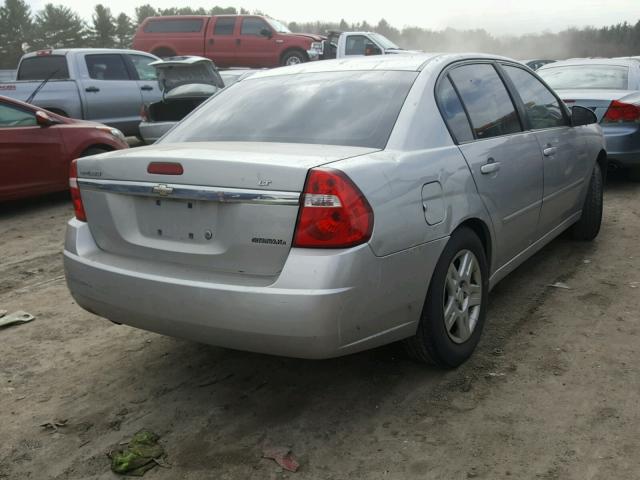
x=552, y=392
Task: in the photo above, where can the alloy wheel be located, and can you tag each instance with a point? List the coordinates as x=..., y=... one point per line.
x=462, y=300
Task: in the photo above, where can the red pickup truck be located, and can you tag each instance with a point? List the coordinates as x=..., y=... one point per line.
x=229, y=40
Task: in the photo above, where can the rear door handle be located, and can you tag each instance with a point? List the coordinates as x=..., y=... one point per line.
x=211, y=42
x=237, y=41
x=490, y=167
x=549, y=151
x=92, y=89
x=146, y=87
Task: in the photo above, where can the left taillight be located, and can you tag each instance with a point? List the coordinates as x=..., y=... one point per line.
x=78, y=207
x=620, y=112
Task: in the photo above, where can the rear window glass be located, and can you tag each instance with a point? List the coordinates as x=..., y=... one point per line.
x=224, y=26
x=490, y=108
x=586, y=76
x=47, y=66
x=332, y=108
x=178, y=25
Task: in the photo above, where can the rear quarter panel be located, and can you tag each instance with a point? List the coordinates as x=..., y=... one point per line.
x=420, y=151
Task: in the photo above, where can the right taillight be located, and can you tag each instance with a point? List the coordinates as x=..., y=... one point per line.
x=333, y=212
x=78, y=207
x=620, y=112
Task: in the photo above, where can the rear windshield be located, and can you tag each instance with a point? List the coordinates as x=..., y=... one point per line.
x=586, y=76
x=332, y=108
x=47, y=66
x=174, y=26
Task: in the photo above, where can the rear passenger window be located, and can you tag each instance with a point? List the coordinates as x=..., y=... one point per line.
x=542, y=108
x=452, y=111
x=224, y=26
x=253, y=26
x=486, y=99
x=178, y=25
x=107, y=67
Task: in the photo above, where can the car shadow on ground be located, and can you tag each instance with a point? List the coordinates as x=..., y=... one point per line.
x=33, y=204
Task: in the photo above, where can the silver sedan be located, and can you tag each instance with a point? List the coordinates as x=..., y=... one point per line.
x=326, y=208
x=611, y=89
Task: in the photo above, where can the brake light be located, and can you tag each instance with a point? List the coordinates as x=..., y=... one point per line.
x=78, y=207
x=619, y=112
x=333, y=213
x=165, y=168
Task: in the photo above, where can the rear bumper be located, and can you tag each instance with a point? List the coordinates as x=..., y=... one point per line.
x=152, y=131
x=323, y=304
x=623, y=144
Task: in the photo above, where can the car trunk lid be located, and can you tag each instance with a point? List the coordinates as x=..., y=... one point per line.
x=597, y=101
x=232, y=210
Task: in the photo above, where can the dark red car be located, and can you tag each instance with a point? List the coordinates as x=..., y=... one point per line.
x=37, y=146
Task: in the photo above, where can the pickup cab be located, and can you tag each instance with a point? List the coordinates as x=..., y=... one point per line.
x=103, y=85
x=352, y=44
x=251, y=41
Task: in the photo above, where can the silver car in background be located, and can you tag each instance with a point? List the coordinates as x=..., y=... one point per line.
x=611, y=89
x=326, y=208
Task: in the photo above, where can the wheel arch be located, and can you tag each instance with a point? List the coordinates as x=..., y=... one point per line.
x=163, y=51
x=294, y=49
x=481, y=229
x=102, y=146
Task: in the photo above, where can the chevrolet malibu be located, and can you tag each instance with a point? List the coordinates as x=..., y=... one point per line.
x=323, y=209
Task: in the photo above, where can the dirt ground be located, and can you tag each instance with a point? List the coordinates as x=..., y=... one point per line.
x=552, y=392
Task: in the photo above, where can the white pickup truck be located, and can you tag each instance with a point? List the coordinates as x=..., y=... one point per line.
x=104, y=85
x=350, y=44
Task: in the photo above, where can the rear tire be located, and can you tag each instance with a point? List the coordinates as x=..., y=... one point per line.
x=441, y=339
x=588, y=227
x=293, y=57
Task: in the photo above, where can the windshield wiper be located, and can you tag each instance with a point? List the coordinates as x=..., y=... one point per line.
x=39, y=87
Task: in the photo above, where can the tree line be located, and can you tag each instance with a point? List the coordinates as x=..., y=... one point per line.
x=57, y=26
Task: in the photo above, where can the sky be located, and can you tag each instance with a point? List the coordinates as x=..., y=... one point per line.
x=498, y=17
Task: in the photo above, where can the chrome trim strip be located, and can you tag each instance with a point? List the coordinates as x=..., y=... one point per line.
x=193, y=192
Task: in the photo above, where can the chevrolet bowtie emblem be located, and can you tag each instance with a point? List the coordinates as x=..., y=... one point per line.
x=162, y=189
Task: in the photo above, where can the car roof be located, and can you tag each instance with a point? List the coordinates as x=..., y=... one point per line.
x=18, y=103
x=410, y=62
x=65, y=51
x=621, y=62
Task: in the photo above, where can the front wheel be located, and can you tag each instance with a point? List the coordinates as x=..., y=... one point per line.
x=293, y=57
x=588, y=227
x=454, y=312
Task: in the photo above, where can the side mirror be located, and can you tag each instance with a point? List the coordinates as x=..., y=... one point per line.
x=582, y=116
x=372, y=49
x=44, y=120
x=265, y=32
